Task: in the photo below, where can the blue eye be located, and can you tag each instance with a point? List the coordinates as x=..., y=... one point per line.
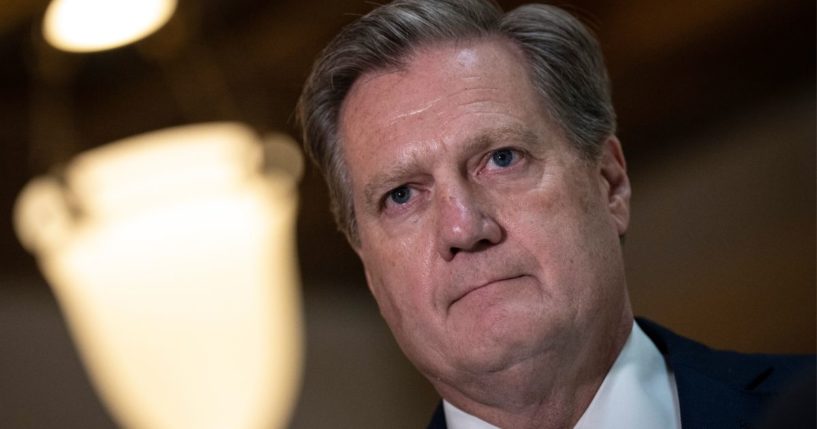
x=400, y=195
x=503, y=157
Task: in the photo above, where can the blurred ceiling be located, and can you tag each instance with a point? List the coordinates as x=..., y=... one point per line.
x=677, y=67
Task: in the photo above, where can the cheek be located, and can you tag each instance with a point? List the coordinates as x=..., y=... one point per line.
x=579, y=254
x=565, y=227
x=398, y=279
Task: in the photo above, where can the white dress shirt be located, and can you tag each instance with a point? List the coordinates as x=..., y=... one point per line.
x=638, y=393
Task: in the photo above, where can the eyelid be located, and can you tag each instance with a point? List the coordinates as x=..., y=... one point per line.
x=385, y=203
x=519, y=155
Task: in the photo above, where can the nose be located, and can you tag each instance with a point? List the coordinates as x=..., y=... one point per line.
x=464, y=223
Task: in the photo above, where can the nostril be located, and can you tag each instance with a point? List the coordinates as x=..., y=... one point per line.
x=476, y=247
x=483, y=244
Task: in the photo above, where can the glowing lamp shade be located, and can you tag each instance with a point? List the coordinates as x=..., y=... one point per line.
x=95, y=25
x=172, y=256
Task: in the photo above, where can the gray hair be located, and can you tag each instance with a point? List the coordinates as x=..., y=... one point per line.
x=564, y=60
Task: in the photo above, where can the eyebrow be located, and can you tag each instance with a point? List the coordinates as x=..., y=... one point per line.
x=392, y=177
x=478, y=143
x=515, y=133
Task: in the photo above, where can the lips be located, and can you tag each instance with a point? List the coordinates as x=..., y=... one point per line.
x=481, y=285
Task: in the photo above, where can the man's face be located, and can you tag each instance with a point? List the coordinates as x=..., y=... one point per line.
x=486, y=239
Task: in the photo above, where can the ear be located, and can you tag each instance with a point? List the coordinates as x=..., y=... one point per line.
x=616, y=183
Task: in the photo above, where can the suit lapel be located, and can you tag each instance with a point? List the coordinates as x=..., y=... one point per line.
x=716, y=389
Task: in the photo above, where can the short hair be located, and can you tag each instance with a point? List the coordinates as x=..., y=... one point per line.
x=563, y=58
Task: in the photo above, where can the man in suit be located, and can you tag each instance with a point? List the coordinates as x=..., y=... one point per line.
x=473, y=165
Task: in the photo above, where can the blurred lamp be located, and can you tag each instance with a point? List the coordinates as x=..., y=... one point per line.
x=96, y=25
x=172, y=256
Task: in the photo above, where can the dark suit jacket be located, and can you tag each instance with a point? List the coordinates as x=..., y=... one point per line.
x=722, y=389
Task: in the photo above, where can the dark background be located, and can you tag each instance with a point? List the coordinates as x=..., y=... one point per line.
x=716, y=105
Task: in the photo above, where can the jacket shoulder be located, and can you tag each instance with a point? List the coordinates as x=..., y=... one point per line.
x=438, y=419
x=752, y=371
x=718, y=388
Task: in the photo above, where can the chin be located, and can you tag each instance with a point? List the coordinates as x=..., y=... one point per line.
x=499, y=349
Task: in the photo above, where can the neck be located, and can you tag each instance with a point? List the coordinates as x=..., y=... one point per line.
x=548, y=391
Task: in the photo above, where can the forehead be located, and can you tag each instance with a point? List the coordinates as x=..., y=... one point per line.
x=430, y=75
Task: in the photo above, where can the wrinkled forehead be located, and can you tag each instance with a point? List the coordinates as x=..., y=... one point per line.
x=428, y=75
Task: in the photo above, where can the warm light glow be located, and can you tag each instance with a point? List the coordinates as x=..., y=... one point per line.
x=95, y=25
x=172, y=255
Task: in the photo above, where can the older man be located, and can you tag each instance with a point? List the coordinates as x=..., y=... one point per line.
x=473, y=165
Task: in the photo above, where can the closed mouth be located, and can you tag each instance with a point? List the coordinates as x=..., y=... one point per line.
x=468, y=291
